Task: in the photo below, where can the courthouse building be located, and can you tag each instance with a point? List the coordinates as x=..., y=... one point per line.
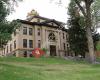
x=38, y=32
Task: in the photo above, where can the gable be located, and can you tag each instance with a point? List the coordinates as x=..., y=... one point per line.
x=51, y=23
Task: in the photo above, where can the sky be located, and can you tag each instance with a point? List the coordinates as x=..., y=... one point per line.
x=45, y=8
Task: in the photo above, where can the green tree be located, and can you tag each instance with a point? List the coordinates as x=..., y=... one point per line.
x=6, y=28
x=77, y=36
x=77, y=33
x=86, y=11
x=96, y=10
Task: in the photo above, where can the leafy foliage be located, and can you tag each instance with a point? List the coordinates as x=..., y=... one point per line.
x=96, y=38
x=96, y=10
x=6, y=28
x=77, y=32
x=77, y=36
x=45, y=50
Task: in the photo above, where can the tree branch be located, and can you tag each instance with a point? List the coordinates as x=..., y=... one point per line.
x=81, y=8
x=91, y=1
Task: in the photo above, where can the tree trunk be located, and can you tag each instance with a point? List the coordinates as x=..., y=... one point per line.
x=89, y=34
x=91, y=57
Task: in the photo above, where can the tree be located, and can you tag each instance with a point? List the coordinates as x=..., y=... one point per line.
x=77, y=33
x=77, y=36
x=86, y=11
x=6, y=28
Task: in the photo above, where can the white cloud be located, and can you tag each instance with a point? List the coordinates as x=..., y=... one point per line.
x=44, y=7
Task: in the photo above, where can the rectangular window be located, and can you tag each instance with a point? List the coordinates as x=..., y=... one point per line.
x=14, y=44
x=25, y=30
x=30, y=31
x=64, y=46
x=39, y=44
x=30, y=43
x=24, y=43
x=38, y=31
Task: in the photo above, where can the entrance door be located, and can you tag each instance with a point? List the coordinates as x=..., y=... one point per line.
x=52, y=50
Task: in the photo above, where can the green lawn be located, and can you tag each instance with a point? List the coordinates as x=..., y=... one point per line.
x=47, y=69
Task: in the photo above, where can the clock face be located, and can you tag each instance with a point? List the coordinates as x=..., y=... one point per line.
x=37, y=53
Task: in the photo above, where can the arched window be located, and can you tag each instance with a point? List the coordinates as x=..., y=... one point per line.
x=51, y=37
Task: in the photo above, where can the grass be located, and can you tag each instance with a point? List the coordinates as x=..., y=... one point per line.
x=47, y=69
